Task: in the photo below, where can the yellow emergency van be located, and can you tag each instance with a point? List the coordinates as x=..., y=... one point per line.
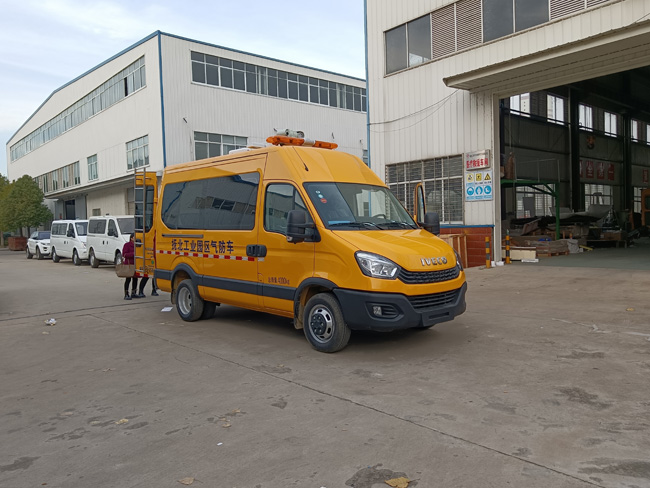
x=300, y=230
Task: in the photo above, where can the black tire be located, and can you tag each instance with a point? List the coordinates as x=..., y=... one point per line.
x=188, y=302
x=208, y=310
x=55, y=256
x=94, y=262
x=118, y=257
x=75, y=258
x=39, y=255
x=28, y=254
x=324, y=326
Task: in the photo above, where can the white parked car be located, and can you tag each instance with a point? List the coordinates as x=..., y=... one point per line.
x=38, y=245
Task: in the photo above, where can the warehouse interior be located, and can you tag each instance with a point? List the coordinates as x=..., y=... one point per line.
x=570, y=188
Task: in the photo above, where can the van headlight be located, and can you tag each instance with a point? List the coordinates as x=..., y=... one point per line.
x=459, y=262
x=376, y=266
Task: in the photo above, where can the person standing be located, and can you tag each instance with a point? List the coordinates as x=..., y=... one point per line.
x=128, y=257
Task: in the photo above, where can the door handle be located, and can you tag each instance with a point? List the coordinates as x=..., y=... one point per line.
x=256, y=250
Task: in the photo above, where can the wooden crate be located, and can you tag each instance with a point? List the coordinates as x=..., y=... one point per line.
x=459, y=243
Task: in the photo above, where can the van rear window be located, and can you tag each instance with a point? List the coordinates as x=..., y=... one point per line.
x=224, y=203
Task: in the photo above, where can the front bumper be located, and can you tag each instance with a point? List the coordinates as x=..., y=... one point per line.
x=393, y=311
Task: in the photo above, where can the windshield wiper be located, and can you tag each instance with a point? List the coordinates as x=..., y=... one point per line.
x=393, y=224
x=354, y=224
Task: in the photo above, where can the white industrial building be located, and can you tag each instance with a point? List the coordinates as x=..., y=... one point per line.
x=167, y=100
x=517, y=92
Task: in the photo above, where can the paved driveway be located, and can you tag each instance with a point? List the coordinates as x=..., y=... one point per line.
x=543, y=382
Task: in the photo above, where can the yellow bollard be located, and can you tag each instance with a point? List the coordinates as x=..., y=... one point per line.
x=488, y=263
x=508, y=247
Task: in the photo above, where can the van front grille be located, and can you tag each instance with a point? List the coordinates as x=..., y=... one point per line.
x=423, y=302
x=423, y=277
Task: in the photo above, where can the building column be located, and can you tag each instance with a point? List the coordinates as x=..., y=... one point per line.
x=577, y=203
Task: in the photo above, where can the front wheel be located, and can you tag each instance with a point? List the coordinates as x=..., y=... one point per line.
x=39, y=255
x=28, y=254
x=188, y=302
x=118, y=258
x=325, y=328
x=55, y=256
x=94, y=262
x=75, y=258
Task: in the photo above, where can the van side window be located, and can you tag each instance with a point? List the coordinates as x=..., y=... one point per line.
x=280, y=200
x=224, y=203
x=70, y=232
x=112, y=228
x=97, y=226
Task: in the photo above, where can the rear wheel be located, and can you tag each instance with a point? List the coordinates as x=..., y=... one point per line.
x=94, y=262
x=188, y=302
x=55, y=256
x=39, y=256
x=325, y=328
x=75, y=258
x=28, y=254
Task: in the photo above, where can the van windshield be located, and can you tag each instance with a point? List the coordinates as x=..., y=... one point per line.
x=126, y=225
x=82, y=228
x=354, y=206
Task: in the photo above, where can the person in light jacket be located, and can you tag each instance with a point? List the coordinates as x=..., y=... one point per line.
x=128, y=257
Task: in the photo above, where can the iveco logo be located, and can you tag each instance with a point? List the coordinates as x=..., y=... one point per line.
x=433, y=261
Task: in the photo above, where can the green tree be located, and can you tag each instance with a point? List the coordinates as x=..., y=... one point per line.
x=22, y=205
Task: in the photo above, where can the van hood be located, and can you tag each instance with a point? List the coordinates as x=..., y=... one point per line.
x=412, y=249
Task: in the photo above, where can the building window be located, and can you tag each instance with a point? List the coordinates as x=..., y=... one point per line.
x=637, y=198
x=227, y=73
x=585, y=117
x=532, y=204
x=443, y=185
x=92, y=168
x=208, y=145
x=555, y=109
x=503, y=17
x=520, y=104
x=126, y=82
x=611, y=124
x=365, y=158
x=634, y=130
x=408, y=45
x=75, y=173
x=598, y=194
x=137, y=153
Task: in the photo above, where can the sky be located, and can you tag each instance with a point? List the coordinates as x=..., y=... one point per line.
x=44, y=44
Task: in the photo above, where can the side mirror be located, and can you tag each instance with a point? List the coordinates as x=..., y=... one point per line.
x=296, y=225
x=432, y=223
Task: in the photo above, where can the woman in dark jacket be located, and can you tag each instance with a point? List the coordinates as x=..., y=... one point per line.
x=128, y=257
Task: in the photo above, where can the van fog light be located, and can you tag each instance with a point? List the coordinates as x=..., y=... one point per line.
x=384, y=310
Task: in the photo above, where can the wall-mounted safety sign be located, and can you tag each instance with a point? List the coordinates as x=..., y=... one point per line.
x=478, y=185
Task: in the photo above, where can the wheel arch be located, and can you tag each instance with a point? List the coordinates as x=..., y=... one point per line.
x=183, y=272
x=306, y=290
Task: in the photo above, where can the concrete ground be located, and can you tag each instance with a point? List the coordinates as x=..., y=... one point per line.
x=543, y=382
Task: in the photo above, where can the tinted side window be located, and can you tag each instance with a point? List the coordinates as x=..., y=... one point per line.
x=112, y=228
x=280, y=200
x=97, y=226
x=212, y=204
